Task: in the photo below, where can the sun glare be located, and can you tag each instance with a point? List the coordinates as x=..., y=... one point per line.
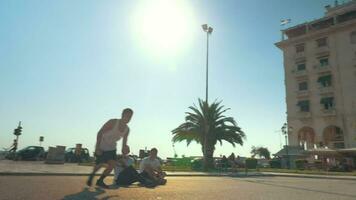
x=162, y=26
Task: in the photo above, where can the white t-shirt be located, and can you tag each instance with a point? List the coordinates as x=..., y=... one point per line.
x=154, y=163
x=119, y=168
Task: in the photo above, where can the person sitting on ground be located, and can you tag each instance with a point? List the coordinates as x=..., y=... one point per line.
x=150, y=168
x=124, y=172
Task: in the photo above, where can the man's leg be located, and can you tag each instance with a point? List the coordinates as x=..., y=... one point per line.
x=91, y=176
x=107, y=171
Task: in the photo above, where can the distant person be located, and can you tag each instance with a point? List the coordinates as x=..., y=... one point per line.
x=150, y=168
x=13, y=147
x=105, y=148
x=125, y=173
x=224, y=162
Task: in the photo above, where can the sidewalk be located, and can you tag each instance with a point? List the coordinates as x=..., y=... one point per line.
x=8, y=167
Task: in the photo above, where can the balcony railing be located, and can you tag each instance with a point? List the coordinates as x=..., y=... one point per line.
x=322, y=50
x=328, y=112
x=302, y=92
x=302, y=114
x=322, y=68
x=327, y=89
x=299, y=55
x=297, y=72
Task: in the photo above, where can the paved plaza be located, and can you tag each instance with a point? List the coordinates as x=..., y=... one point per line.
x=190, y=188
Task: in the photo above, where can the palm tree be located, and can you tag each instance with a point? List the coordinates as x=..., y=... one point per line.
x=261, y=152
x=207, y=125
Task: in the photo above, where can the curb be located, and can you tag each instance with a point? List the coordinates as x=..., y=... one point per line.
x=192, y=175
x=87, y=174
x=334, y=177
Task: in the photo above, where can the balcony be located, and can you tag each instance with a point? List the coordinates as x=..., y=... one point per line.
x=302, y=92
x=322, y=50
x=297, y=72
x=299, y=55
x=326, y=90
x=322, y=68
x=328, y=112
x=303, y=115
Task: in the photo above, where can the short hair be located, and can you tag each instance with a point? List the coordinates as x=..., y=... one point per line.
x=128, y=111
x=154, y=149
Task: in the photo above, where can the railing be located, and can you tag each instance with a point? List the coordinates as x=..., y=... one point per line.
x=322, y=49
x=297, y=72
x=299, y=55
x=328, y=112
x=302, y=114
x=322, y=68
x=327, y=89
x=302, y=92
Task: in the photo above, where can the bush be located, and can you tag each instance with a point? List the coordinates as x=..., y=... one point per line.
x=300, y=164
x=318, y=164
x=197, y=164
x=182, y=162
x=275, y=163
x=251, y=163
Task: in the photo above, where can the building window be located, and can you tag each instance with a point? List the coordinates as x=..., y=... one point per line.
x=301, y=66
x=325, y=81
x=303, y=105
x=327, y=102
x=321, y=42
x=303, y=86
x=324, y=61
x=353, y=37
x=299, y=48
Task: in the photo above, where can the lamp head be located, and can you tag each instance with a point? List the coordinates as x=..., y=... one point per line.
x=205, y=27
x=210, y=30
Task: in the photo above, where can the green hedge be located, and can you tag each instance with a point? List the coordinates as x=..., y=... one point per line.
x=197, y=164
x=300, y=164
x=275, y=163
x=251, y=163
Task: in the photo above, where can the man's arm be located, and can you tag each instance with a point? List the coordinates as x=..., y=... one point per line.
x=107, y=126
x=124, y=140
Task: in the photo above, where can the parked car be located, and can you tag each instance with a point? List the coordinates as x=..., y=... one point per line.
x=71, y=157
x=30, y=153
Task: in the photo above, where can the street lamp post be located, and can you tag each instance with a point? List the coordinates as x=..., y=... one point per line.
x=208, y=31
x=286, y=131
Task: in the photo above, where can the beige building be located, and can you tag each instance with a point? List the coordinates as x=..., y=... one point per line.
x=320, y=79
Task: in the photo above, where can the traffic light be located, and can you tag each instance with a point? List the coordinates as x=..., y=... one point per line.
x=18, y=131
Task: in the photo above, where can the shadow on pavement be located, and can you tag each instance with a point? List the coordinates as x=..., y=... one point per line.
x=86, y=194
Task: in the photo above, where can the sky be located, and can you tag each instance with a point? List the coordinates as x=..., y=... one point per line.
x=66, y=67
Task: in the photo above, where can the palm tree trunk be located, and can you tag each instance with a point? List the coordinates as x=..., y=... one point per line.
x=208, y=157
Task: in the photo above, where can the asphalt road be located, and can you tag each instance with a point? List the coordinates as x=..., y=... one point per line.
x=190, y=188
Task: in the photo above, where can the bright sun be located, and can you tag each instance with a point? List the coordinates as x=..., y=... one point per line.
x=163, y=26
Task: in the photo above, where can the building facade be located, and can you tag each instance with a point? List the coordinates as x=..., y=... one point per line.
x=320, y=79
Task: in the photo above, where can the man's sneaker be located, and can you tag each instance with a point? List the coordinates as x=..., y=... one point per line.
x=101, y=183
x=163, y=182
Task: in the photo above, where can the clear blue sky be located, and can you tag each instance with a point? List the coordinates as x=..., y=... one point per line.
x=66, y=67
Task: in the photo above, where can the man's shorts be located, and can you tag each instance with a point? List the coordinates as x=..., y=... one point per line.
x=105, y=157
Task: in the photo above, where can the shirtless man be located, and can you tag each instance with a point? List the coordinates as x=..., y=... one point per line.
x=105, y=148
